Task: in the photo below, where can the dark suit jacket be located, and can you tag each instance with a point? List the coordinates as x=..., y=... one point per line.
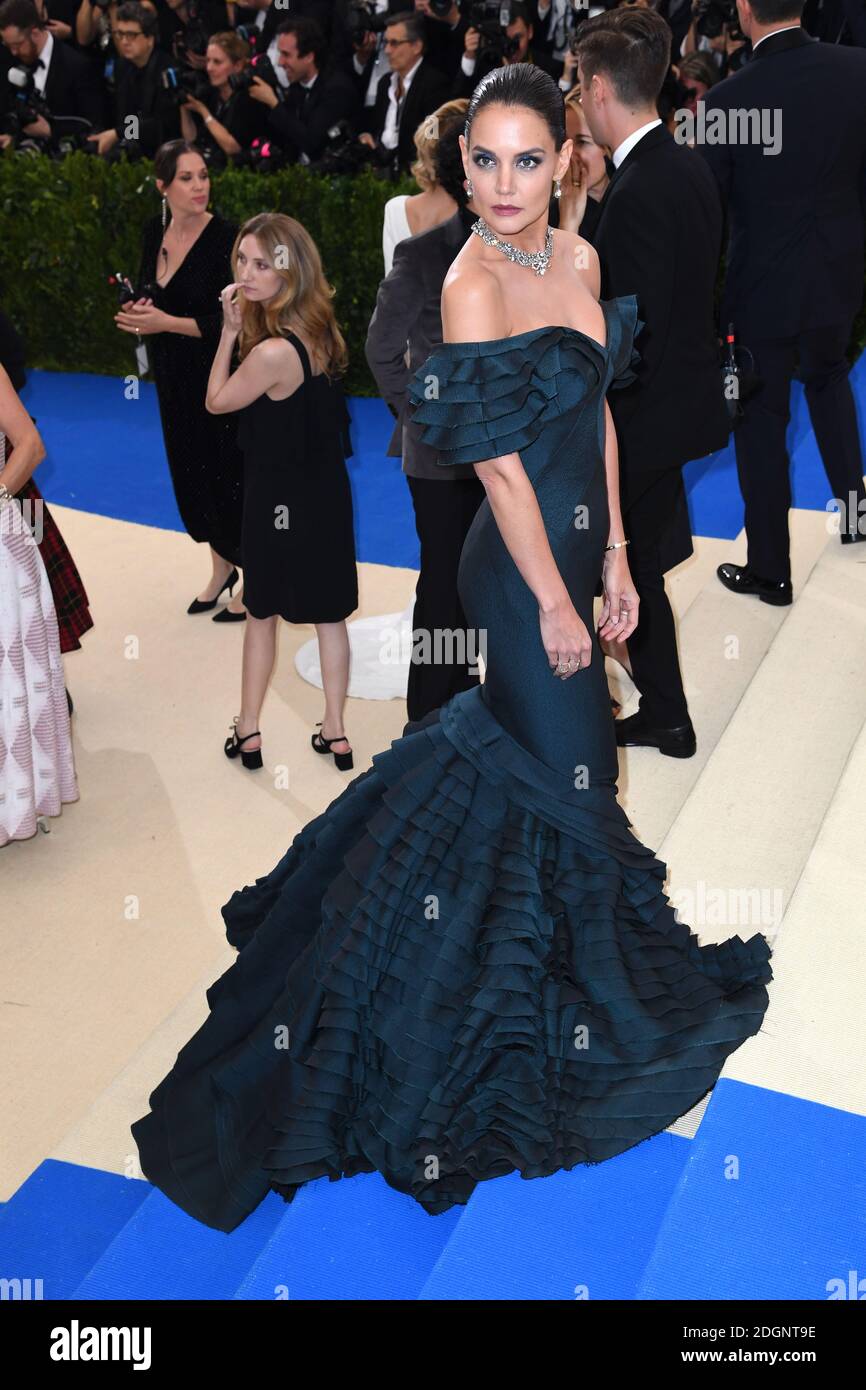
x=304, y=130
x=428, y=89
x=796, y=218
x=658, y=237
x=140, y=92
x=72, y=87
x=836, y=21
x=408, y=310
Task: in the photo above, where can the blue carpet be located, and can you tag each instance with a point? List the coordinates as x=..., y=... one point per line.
x=583, y=1234
x=105, y=455
x=790, y=1223
x=60, y=1220
x=353, y=1239
x=163, y=1253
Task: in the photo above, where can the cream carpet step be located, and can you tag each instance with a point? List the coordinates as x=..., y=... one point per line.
x=101, y=1137
x=812, y=1043
x=755, y=821
x=723, y=638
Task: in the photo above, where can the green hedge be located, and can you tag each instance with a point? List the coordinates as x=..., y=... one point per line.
x=68, y=224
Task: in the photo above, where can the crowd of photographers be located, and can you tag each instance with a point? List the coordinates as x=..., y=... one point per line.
x=336, y=84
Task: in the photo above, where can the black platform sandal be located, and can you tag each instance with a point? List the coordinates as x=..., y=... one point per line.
x=205, y=605
x=234, y=745
x=323, y=745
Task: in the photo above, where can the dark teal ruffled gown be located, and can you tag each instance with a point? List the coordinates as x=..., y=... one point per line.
x=467, y=964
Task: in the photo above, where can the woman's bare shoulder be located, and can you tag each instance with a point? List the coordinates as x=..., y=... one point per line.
x=584, y=257
x=473, y=305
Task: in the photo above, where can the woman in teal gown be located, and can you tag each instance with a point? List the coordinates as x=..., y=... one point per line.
x=467, y=964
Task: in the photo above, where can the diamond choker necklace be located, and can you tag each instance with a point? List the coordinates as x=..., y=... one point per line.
x=536, y=260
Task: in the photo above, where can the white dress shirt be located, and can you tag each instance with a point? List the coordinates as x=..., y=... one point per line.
x=40, y=76
x=630, y=141
x=775, y=31
x=390, y=131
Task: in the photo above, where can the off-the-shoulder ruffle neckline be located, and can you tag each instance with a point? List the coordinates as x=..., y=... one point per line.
x=547, y=328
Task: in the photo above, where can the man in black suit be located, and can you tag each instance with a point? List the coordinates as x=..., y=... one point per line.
x=794, y=268
x=658, y=237
x=445, y=499
x=65, y=79
x=145, y=113
x=411, y=91
x=315, y=100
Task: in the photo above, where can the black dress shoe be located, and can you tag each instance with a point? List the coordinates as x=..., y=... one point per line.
x=199, y=605
x=740, y=580
x=850, y=537
x=637, y=732
x=225, y=615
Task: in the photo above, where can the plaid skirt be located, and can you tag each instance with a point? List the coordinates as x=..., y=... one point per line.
x=70, y=597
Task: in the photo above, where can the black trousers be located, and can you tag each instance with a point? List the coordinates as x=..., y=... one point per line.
x=763, y=465
x=650, y=524
x=444, y=511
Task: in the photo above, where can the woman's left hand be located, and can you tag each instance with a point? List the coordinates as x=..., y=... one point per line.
x=193, y=104
x=142, y=317
x=231, y=308
x=573, y=194
x=618, y=617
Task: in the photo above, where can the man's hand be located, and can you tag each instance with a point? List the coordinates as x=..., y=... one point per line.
x=104, y=140
x=263, y=91
x=367, y=139
x=38, y=127
x=471, y=40
x=366, y=48
x=58, y=28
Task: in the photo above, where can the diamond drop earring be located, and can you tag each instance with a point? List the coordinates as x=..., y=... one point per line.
x=469, y=189
x=557, y=188
x=164, y=206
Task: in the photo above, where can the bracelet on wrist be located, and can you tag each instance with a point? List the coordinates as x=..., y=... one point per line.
x=617, y=545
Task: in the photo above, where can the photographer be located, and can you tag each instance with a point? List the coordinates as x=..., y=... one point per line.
x=147, y=107
x=223, y=119
x=61, y=82
x=715, y=30
x=405, y=95
x=487, y=45
x=445, y=33
x=315, y=101
x=185, y=27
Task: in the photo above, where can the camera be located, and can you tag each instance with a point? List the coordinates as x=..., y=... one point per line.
x=193, y=38
x=491, y=18
x=713, y=16
x=362, y=19
x=182, y=85
x=346, y=154
x=260, y=66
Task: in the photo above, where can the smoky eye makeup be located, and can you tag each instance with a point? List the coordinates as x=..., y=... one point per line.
x=525, y=161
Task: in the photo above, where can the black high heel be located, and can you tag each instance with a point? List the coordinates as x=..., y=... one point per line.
x=205, y=605
x=234, y=746
x=342, y=760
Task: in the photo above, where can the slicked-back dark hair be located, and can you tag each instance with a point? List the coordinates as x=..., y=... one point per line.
x=520, y=84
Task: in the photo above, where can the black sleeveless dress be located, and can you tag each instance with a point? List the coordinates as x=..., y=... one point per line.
x=297, y=542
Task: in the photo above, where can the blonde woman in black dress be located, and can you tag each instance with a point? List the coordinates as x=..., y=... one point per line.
x=185, y=261
x=297, y=542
